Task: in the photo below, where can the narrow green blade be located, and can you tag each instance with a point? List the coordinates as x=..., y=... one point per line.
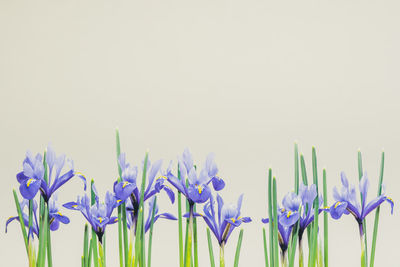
x=151, y=232
x=21, y=222
x=325, y=191
x=360, y=175
x=265, y=248
x=210, y=248
x=238, y=247
x=376, y=222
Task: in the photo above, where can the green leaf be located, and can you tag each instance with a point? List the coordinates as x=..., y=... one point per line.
x=21, y=222
x=275, y=223
x=210, y=248
x=360, y=175
x=151, y=232
x=180, y=224
x=238, y=246
x=270, y=216
x=376, y=222
x=325, y=191
x=265, y=248
x=122, y=243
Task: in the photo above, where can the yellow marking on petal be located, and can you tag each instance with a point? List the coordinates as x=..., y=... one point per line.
x=337, y=204
x=390, y=199
x=326, y=207
x=200, y=189
x=74, y=206
x=119, y=200
x=29, y=182
x=59, y=213
x=282, y=210
x=81, y=174
x=116, y=219
x=289, y=214
x=161, y=177
x=125, y=184
x=100, y=219
x=233, y=219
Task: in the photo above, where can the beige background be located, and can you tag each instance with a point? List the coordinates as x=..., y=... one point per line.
x=243, y=79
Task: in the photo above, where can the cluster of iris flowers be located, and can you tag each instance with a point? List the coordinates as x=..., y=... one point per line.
x=288, y=224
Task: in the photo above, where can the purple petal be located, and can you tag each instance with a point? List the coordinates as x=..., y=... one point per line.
x=338, y=209
x=29, y=188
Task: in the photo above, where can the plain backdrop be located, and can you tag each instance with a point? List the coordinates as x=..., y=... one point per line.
x=243, y=79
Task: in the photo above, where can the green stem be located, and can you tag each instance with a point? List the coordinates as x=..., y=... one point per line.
x=325, y=191
x=210, y=248
x=151, y=232
x=376, y=222
x=221, y=255
x=49, y=254
x=102, y=255
x=301, y=254
x=364, y=224
x=270, y=214
x=180, y=224
x=275, y=223
x=238, y=247
x=21, y=222
x=85, y=246
x=195, y=244
x=265, y=248
x=189, y=237
x=363, y=256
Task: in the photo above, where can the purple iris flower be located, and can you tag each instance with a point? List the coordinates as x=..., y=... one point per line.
x=289, y=213
x=99, y=215
x=31, y=179
x=197, y=190
x=225, y=220
x=346, y=200
x=284, y=231
x=157, y=215
x=55, y=216
x=127, y=190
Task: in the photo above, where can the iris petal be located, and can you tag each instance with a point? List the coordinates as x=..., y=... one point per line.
x=29, y=188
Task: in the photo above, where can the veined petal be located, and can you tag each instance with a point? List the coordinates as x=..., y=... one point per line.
x=343, y=177
x=113, y=220
x=289, y=218
x=155, y=168
x=187, y=159
x=29, y=188
x=60, y=217
x=364, y=184
x=123, y=190
x=199, y=193
x=58, y=182
x=376, y=203
x=265, y=220
x=210, y=165
x=170, y=193
x=176, y=183
x=21, y=177
x=246, y=219
x=72, y=206
x=55, y=225
x=218, y=183
x=338, y=209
